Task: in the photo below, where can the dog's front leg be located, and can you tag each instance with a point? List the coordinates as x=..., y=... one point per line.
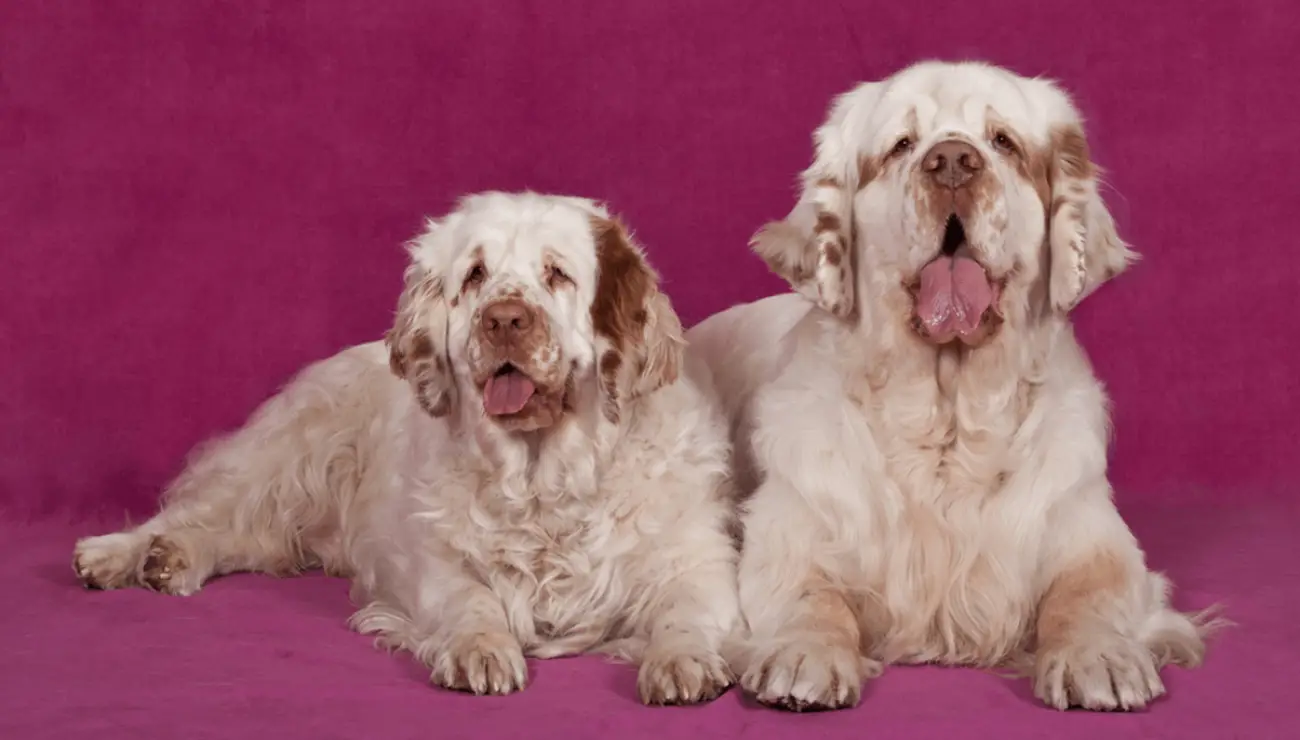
x=806, y=647
x=453, y=623
x=688, y=608
x=1104, y=626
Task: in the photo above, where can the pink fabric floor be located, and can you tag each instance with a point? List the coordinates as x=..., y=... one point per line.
x=252, y=656
x=197, y=198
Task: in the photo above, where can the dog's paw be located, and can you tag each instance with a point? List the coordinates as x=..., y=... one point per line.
x=482, y=663
x=806, y=676
x=109, y=561
x=682, y=677
x=167, y=570
x=1109, y=675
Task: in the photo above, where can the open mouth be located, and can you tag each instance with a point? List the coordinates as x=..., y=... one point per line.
x=955, y=294
x=954, y=236
x=507, y=391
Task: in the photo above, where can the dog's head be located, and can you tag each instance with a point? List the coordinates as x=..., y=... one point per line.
x=958, y=196
x=515, y=302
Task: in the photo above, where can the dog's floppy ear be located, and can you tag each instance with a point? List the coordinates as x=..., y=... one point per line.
x=417, y=342
x=813, y=247
x=640, y=331
x=663, y=345
x=1084, y=247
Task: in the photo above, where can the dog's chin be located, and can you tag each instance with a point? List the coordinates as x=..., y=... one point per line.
x=955, y=298
x=516, y=402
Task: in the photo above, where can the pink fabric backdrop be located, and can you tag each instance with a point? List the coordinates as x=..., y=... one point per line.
x=198, y=197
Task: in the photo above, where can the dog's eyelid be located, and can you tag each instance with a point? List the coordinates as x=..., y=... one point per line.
x=902, y=144
x=557, y=274
x=475, y=275
x=1004, y=140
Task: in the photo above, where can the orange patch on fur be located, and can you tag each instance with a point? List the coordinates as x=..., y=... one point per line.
x=827, y=222
x=826, y=613
x=412, y=354
x=406, y=342
x=624, y=284
x=868, y=168
x=1066, y=157
x=1072, y=155
x=1076, y=595
x=610, y=363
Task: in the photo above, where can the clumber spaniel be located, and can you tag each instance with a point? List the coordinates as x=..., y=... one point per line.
x=925, y=435
x=542, y=476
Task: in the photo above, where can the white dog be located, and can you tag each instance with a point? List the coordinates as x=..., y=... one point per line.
x=542, y=480
x=926, y=438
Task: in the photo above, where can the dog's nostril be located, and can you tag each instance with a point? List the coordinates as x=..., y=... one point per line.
x=507, y=318
x=953, y=163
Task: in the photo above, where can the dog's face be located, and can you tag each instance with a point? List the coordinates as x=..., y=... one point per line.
x=961, y=192
x=514, y=301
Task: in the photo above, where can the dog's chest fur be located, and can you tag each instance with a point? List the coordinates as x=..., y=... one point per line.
x=951, y=585
x=541, y=543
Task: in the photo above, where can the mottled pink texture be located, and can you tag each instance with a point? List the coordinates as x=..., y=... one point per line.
x=251, y=656
x=198, y=197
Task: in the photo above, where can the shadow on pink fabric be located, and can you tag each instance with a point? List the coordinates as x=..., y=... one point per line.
x=197, y=198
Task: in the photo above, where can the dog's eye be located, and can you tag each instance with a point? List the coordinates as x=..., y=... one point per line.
x=1003, y=143
x=555, y=277
x=476, y=275
x=901, y=147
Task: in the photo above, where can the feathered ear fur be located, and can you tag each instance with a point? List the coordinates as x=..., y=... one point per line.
x=417, y=342
x=636, y=322
x=1084, y=247
x=813, y=247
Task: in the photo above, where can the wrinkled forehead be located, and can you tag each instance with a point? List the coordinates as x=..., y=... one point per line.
x=526, y=241
x=967, y=98
x=514, y=236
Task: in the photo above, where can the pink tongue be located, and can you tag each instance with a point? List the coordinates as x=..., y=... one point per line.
x=507, y=394
x=955, y=293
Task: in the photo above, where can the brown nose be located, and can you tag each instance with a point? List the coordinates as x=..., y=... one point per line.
x=952, y=164
x=505, y=321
